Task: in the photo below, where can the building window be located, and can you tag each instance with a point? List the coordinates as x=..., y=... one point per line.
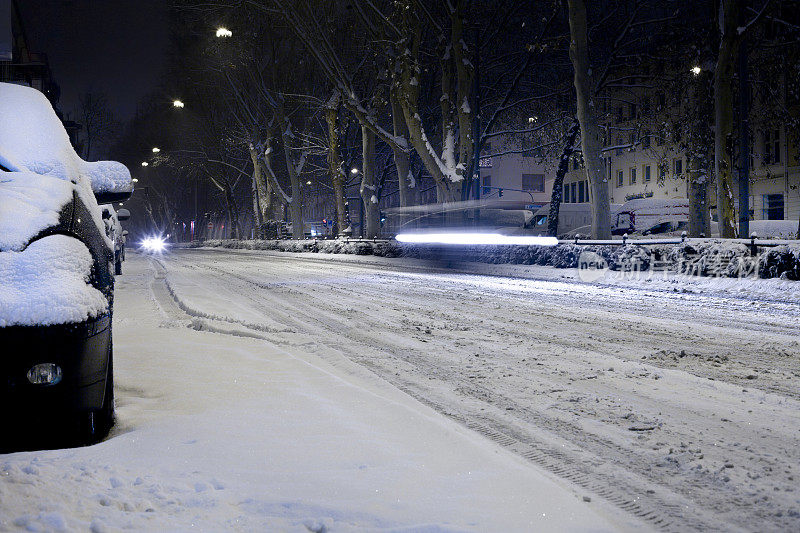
x=772, y=147
x=645, y=139
x=619, y=144
x=676, y=133
x=533, y=182
x=620, y=179
x=646, y=105
x=678, y=167
x=632, y=139
x=633, y=110
x=487, y=184
x=565, y=194
x=773, y=206
x=573, y=191
x=646, y=172
x=575, y=164
x=581, y=192
x=633, y=175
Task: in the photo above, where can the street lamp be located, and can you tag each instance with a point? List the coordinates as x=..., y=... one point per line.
x=308, y=182
x=156, y=150
x=177, y=103
x=145, y=163
x=134, y=180
x=223, y=32
x=696, y=70
x=354, y=170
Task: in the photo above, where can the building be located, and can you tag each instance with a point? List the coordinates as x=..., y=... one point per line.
x=22, y=66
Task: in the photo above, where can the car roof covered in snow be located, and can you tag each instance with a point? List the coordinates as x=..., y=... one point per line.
x=33, y=139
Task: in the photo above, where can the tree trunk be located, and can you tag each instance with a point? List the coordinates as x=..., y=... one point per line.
x=369, y=188
x=257, y=221
x=295, y=206
x=587, y=117
x=723, y=118
x=698, y=140
x=261, y=196
x=699, y=215
x=335, y=165
x=558, y=183
x=402, y=158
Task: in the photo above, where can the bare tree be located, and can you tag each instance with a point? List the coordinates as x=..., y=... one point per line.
x=100, y=126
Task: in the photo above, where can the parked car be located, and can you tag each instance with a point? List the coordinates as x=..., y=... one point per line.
x=650, y=216
x=56, y=275
x=115, y=232
x=572, y=218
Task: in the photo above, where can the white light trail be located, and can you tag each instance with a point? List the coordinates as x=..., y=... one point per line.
x=476, y=238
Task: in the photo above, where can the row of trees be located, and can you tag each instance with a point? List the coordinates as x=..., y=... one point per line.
x=404, y=95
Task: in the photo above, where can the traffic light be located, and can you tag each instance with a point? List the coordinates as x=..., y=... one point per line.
x=500, y=193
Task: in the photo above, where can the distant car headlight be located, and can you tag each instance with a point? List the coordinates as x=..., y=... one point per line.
x=154, y=244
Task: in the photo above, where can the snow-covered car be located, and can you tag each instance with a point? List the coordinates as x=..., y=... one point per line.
x=114, y=231
x=56, y=275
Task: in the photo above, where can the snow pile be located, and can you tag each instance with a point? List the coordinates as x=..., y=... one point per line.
x=700, y=258
x=47, y=283
x=29, y=203
x=774, y=229
x=32, y=138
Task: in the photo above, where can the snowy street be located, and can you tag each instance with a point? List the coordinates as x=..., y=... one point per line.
x=252, y=392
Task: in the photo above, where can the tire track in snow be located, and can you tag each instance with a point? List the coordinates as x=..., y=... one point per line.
x=322, y=311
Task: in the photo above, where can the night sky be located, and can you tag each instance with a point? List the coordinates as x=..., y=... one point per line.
x=110, y=46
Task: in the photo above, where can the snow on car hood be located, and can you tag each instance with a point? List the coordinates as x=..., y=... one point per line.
x=33, y=139
x=48, y=283
x=29, y=204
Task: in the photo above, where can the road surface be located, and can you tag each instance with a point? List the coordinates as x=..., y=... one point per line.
x=681, y=409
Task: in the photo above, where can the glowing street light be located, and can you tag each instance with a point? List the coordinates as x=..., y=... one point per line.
x=224, y=32
x=135, y=180
x=177, y=103
x=156, y=150
x=696, y=70
x=308, y=182
x=145, y=163
x=354, y=170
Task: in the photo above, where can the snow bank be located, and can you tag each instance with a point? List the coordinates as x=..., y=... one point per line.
x=29, y=203
x=701, y=258
x=47, y=283
x=774, y=229
x=32, y=138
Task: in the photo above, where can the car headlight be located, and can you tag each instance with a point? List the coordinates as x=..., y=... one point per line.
x=45, y=374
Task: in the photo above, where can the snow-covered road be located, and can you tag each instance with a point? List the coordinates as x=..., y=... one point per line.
x=680, y=408
x=252, y=394
x=250, y=430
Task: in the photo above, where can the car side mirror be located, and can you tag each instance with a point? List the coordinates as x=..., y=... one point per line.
x=110, y=197
x=123, y=214
x=111, y=181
